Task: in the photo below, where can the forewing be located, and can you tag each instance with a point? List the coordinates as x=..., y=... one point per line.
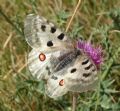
x=44, y=36
x=82, y=76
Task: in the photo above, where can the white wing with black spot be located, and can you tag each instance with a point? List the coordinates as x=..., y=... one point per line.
x=82, y=76
x=44, y=36
x=78, y=76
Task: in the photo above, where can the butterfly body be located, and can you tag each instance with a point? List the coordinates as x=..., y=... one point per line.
x=54, y=58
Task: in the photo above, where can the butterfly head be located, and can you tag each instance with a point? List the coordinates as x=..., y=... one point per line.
x=95, y=53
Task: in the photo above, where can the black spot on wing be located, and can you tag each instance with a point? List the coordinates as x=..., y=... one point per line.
x=49, y=43
x=53, y=30
x=61, y=36
x=88, y=67
x=54, y=77
x=73, y=70
x=94, y=69
x=85, y=62
x=48, y=70
x=43, y=27
x=86, y=74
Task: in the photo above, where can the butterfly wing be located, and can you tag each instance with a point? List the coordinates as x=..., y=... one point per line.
x=55, y=85
x=78, y=76
x=82, y=76
x=42, y=69
x=44, y=36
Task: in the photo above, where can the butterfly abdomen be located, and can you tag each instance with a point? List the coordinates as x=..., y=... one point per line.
x=66, y=59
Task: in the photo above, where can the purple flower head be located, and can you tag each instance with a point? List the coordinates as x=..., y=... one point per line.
x=95, y=53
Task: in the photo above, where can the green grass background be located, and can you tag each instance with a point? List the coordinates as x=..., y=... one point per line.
x=100, y=19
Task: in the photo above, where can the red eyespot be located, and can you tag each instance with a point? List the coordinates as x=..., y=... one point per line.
x=42, y=57
x=61, y=83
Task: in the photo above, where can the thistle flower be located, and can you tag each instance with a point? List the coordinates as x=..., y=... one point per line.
x=95, y=53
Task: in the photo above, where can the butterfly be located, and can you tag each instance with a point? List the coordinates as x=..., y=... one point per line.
x=56, y=59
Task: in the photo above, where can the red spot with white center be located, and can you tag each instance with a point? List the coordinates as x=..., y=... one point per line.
x=42, y=57
x=61, y=83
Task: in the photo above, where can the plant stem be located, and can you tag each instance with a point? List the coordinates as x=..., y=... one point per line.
x=74, y=101
x=71, y=19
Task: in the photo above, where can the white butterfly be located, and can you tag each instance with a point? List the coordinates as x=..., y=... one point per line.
x=54, y=58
